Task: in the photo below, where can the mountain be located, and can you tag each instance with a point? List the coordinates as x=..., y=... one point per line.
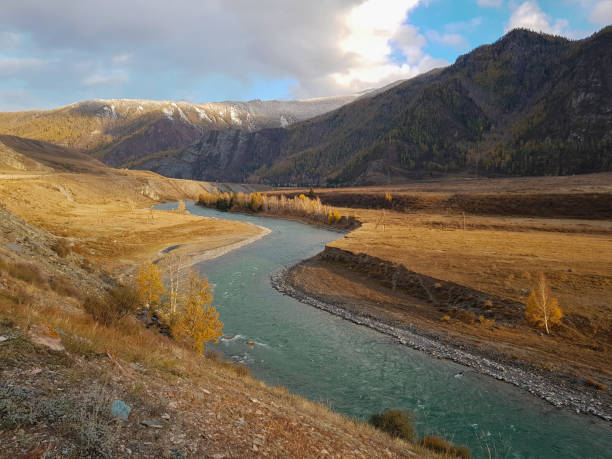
x=529, y=104
x=123, y=133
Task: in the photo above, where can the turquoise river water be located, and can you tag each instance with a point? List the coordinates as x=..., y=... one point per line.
x=357, y=371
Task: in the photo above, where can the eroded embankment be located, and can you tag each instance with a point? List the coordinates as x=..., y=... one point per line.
x=436, y=291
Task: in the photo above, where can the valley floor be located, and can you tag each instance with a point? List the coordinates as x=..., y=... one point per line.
x=464, y=278
x=60, y=371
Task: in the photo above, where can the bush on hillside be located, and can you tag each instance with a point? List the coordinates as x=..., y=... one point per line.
x=116, y=304
x=63, y=286
x=62, y=247
x=396, y=423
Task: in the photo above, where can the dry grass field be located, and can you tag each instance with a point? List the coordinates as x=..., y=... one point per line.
x=108, y=217
x=492, y=261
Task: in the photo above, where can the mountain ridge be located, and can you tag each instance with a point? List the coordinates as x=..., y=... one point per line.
x=527, y=104
x=494, y=111
x=119, y=131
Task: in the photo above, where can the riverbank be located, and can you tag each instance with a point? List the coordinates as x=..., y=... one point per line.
x=62, y=372
x=193, y=253
x=414, y=337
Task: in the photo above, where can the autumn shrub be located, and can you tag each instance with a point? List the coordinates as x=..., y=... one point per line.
x=113, y=306
x=307, y=206
x=440, y=445
x=213, y=355
x=467, y=317
x=62, y=247
x=597, y=385
x=334, y=217
x=487, y=323
x=224, y=202
x=256, y=202
x=396, y=423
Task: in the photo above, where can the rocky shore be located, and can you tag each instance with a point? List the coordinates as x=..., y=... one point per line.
x=561, y=397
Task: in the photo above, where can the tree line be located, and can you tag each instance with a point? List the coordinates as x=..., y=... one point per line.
x=309, y=207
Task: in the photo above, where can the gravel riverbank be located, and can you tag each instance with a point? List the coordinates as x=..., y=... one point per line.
x=561, y=397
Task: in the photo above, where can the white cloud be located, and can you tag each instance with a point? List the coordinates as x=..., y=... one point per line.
x=490, y=3
x=371, y=29
x=410, y=42
x=463, y=26
x=602, y=13
x=105, y=79
x=530, y=16
x=453, y=40
x=325, y=46
x=122, y=59
x=12, y=66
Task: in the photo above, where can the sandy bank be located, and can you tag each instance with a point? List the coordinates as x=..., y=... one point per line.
x=195, y=252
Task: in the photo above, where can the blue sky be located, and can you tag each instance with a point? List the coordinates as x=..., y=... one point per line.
x=56, y=53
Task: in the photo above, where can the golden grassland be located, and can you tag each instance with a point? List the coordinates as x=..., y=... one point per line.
x=109, y=218
x=492, y=256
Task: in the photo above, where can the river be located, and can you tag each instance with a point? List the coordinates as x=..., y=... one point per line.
x=357, y=371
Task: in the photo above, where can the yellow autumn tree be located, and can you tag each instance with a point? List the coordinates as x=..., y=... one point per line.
x=198, y=320
x=150, y=285
x=542, y=307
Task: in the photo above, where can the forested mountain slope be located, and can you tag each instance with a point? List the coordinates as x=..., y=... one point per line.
x=529, y=104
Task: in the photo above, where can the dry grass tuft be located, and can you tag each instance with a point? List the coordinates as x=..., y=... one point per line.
x=62, y=247
x=445, y=447
x=27, y=273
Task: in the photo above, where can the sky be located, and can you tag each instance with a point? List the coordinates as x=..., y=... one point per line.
x=53, y=53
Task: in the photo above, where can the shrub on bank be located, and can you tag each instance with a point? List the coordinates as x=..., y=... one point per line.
x=26, y=272
x=396, y=423
x=440, y=445
x=62, y=247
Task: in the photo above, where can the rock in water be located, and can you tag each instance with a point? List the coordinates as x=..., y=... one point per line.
x=120, y=409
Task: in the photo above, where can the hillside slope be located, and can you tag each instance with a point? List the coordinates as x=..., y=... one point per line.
x=529, y=104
